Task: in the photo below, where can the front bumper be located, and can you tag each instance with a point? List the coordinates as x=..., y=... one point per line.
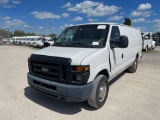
x=65, y=92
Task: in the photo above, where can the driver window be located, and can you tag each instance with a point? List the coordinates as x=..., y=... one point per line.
x=115, y=35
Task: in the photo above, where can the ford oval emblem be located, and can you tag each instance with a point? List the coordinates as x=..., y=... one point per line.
x=44, y=69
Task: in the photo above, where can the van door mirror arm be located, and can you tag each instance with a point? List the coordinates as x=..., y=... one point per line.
x=113, y=44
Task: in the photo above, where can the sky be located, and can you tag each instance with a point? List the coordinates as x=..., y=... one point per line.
x=53, y=16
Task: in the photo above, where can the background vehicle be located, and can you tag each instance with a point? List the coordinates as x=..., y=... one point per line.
x=147, y=41
x=5, y=40
x=156, y=38
x=28, y=39
x=82, y=61
x=38, y=40
x=49, y=42
x=1, y=40
x=15, y=39
x=40, y=43
x=32, y=40
x=22, y=40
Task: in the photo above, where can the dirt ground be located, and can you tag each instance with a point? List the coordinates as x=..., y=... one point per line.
x=131, y=97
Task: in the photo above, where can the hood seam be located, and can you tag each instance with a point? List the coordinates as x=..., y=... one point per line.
x=88, y=55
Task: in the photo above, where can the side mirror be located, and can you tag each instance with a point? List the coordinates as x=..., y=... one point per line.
x=123, y=43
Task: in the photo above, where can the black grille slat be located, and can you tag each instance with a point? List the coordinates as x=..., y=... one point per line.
x=60, y=72
x=46, y=63
x=32, y=66
x=49, y=73
x=42, y=65
x=58, y=69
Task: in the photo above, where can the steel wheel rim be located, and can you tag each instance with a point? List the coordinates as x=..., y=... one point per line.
x=135, y=63
x=102, y=91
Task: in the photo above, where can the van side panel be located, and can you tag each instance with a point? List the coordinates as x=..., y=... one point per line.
x=125, y=56
x=135, y=42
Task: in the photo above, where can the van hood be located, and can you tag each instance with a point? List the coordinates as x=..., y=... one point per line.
x=76, y=54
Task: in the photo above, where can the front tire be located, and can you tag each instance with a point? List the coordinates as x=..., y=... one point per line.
x=99, y=92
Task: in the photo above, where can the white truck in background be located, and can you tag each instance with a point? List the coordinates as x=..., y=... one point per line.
x=50, y=42
x=32, y=40
x=82, y=61
x=40, y=43
x=148, y=42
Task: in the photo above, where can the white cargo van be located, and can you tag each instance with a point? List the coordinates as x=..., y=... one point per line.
x=83, y=60
x=15, y=40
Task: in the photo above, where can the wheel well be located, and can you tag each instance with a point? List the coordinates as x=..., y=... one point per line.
x=104, y=72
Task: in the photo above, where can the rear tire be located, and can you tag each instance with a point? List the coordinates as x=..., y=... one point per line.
x=133, y=67
x=99, y=92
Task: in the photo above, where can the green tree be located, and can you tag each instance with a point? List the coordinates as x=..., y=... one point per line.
x=19, y=33
x=30, y=34
x=10, y=34
x=127, y=21
x=158, y=33
x=52, y=35
x=4, y=33
x=23, y=33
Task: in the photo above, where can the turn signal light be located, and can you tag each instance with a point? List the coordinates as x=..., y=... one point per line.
x=82, y=69
x=79, y=69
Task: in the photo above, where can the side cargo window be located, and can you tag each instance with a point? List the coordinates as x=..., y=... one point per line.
x=115, y=36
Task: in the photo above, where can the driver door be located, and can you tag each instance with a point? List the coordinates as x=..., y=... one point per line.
x=116, y=54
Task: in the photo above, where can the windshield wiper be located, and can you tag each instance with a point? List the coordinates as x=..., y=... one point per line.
x=84, y=44
x=59, y=44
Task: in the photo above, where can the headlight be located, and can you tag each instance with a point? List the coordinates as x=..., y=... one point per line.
x=79, y=77
x=80, y=74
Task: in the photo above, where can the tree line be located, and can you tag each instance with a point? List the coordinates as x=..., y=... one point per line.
x=6, y=34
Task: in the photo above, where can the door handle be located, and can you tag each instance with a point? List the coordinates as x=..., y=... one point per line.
x=122, y=56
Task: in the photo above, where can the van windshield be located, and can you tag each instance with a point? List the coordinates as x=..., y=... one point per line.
x=92, y=36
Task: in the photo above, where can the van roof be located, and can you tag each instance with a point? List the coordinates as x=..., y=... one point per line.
x=105, y=23
x=95, y=23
